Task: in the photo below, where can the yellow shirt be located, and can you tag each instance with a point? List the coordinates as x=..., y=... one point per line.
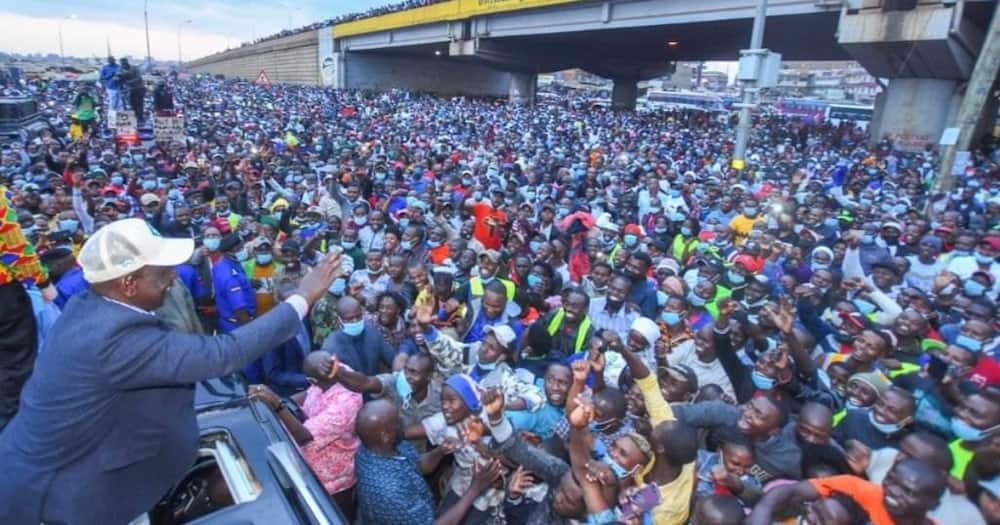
x=264, y=294
x=742, y=226
x=675, y=497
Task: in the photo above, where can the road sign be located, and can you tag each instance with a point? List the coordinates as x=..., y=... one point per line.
x=262, y=79
x=168, y=129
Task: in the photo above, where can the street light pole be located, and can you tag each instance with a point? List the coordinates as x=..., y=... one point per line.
x=749, y=92
x=145, y=16
x=62, y=56
x=180, y=58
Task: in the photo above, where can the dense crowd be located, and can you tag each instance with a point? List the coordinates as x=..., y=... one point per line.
x=350, y=17
x=558, y=313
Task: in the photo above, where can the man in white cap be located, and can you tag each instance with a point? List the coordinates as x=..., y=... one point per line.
x=107, y=422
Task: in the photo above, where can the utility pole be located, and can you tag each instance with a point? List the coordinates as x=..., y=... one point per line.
x=145, y=15
x=180, y=59
x=969, y=111
x=749, y=89
x=62, y=55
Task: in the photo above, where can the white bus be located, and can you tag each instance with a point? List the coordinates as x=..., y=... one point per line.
x=684, y=100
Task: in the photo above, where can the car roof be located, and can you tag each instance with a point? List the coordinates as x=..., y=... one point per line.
x=224, y=407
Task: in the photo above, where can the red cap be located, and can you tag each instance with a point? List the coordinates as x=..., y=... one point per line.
x=992, y=240
x=634, y=229
x=749, y=262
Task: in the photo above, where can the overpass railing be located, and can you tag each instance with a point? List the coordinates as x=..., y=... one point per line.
x=440, y=12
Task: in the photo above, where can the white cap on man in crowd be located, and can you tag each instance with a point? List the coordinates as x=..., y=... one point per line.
x=125, y=246
x=504, y=334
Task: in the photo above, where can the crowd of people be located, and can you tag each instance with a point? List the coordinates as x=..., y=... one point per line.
x=350, y=17
x=554, y=314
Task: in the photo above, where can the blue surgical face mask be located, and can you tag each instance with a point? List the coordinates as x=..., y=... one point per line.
x=69, y=225
x=174, y=195
x=973, y=288
x=534, y=246
x=885, y=428
x=967, y=432
x=660, y=229
x=864, y=307
x=212, y=244
x=149, y=185
x=263, y=258
x=337, y=287
x=360, y=220
x=671, y=318
x=619, y=471
x=661, y=298
x=685, y=231
x=961, y=253
x=867, y=238
x=242, y=255
x=355, y=328
x=984, y=259
x=534, y=280
x=432, y=244
x=406, y=245
x=348, y=245
x=968, y=343
x=117, y=180
x=750, y=211
x=630, y=240
x=403, y=387
x=404, y=222
x=736, y=278
x=761, y=381
x=819, y=266
x=695, y=299
x=487, y=367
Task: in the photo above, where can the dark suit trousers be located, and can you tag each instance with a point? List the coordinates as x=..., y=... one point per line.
x=18, y=347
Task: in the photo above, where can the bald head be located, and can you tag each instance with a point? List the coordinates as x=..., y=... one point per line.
x=377, y=424
x=348, y=307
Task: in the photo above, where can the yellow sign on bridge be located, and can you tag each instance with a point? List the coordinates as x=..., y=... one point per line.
x=441, y=12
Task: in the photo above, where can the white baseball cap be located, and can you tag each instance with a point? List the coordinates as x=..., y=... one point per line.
x=504, y=334
x=125, y=246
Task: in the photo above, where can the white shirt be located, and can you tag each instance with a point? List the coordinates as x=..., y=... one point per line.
x=710, y=373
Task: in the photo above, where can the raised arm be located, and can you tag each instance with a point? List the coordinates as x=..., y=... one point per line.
x=780, y=498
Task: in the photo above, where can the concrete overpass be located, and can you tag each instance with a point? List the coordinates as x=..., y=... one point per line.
x=497, y=47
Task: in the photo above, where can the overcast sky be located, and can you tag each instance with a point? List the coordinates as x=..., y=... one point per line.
x=33, y=26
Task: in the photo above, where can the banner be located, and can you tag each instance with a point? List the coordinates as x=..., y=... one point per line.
x=327, y=60
x=123, y=122
x=168, y=129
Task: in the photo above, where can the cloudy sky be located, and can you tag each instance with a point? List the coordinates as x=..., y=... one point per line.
x=33, y=26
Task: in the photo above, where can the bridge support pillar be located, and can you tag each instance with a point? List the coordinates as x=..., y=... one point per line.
x=624, y=93
x=523, y=87
x=914, y=111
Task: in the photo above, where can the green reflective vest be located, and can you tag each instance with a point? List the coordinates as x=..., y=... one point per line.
x=476, y=287
x=581, y=333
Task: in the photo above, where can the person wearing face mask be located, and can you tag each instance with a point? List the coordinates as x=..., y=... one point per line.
x=982, y=260
x=261, y=269
x=234, y=296
x=884, y=425
x=358, y=344
x=490, y=220
x=743, y=223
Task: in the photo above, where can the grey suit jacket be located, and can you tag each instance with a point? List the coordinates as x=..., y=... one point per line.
x=106, y=423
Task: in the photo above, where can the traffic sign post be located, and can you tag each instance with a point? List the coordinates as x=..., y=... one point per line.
x=262, y=79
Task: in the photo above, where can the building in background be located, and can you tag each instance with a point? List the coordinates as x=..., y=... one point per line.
x=834, y=81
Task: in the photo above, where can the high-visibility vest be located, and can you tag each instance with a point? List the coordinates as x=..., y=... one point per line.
x=839, y=416
x=678, y=248
x=581, y=332
x=476, y=287
x=905, y=368
x=961, y=457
